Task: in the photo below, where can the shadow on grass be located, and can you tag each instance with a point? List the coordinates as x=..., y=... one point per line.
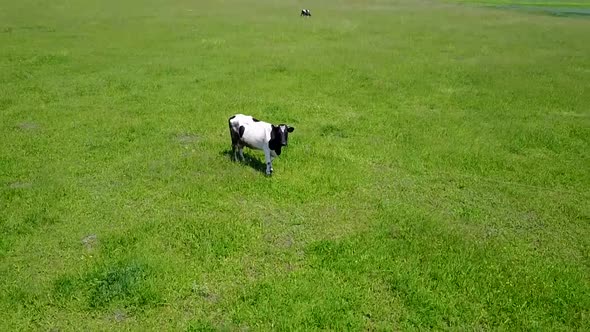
x=549, y=10
x=250, y=160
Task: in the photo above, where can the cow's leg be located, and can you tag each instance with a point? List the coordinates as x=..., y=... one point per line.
x=234, y=143
x=268, y=159
x=237, y=150
x=241, y=153
x=233, y=152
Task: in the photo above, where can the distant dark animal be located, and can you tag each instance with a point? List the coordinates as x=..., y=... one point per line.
x=305, y=12
x=259, y=135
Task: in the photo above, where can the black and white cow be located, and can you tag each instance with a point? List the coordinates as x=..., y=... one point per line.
x=259, y=135
x=305, y=12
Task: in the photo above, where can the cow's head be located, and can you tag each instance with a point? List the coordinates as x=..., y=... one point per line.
x=279, y=137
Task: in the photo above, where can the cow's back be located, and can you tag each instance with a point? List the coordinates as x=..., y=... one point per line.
x=255, y=134
x=240, y=119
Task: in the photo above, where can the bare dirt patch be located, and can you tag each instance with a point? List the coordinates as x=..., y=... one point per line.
x=90, y=241
x=187, y=139
x=28, y=126
x=20, y=185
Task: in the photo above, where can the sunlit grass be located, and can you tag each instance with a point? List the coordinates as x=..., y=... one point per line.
x=437, y=178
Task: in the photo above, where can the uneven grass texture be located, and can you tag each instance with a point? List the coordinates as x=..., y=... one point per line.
x=438, y=176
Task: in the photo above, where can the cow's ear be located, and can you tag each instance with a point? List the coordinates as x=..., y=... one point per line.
x=290, y=129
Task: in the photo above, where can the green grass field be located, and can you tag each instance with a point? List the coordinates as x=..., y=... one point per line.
x=438, y=176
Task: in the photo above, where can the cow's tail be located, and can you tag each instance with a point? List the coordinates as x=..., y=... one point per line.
x=232, y=133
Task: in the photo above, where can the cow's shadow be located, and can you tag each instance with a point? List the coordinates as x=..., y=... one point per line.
x=249, y=159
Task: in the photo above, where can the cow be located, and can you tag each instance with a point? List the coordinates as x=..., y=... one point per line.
x=258, y=135
x=305, y=12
